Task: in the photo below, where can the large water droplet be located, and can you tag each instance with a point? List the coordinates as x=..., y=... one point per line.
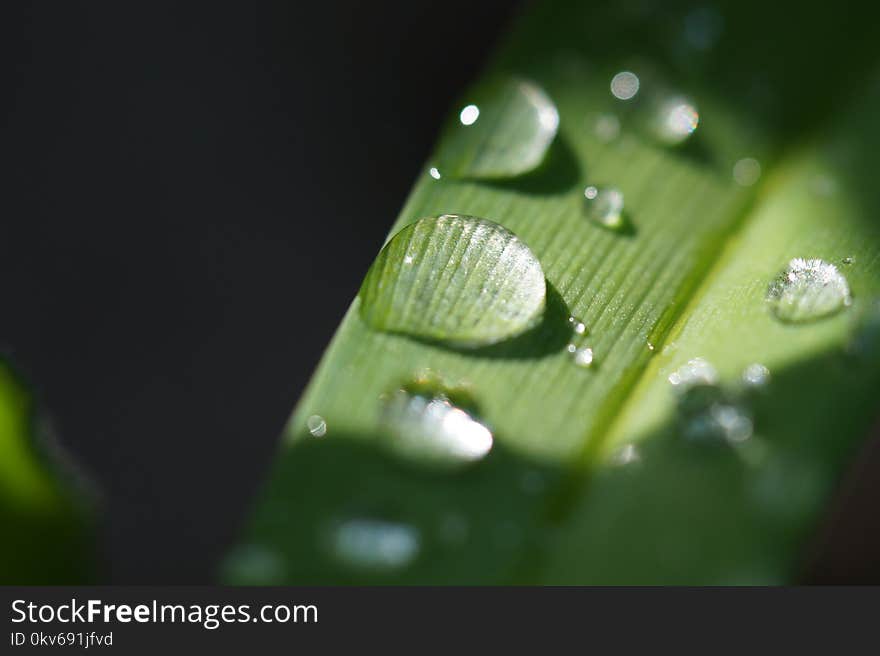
x=504, y=131
x=675, y=118
x=604, y=206
x=457, y=279
x=434, y=426
x=373, y=544
x=808, y=290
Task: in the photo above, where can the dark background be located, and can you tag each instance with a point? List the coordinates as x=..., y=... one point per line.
x=192, y=196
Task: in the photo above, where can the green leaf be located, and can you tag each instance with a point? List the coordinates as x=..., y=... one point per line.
x=456, y=279
x=47, y=529
x=592, y=477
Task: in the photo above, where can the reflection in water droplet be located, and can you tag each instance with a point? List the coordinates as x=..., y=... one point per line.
x=625, y=85
x=604, y=206
x=434, y=173
x=578, y=327
x=675, y=120
x=808, y=290
x=317, y=425
x=252, y=564
x=425, y=424
x=756, y=375
x=607, y=127
x=504, y=131
x=702, y=28
x=746, y=171
x=695, y=372
x=374, y=544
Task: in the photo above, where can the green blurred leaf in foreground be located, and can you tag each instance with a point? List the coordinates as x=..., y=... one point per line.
x=46, y=526
x=592, y=477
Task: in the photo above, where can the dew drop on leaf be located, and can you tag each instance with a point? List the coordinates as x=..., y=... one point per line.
x=317, y=425
x=756, y=375
x=674, y=119
x=433, y=426
x=807, y=290
x=503, y=131
x=578, y=327
x=604, y=206
x=469, y=282
x=374, y=544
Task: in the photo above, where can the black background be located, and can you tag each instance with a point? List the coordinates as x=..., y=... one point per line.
x=192, y=195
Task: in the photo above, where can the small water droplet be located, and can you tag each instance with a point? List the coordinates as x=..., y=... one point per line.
x=373, y=544
x=702, y=28
x=607, y=127
x=431, y=425
x=747, y=171
x=649, y=344
x=317, y=425
x=473, y=283
x=625, y=85
x=674, y=120
x=604, y=206
x=469, y=115
x=808, y=290
x=434, y=173
x=583, y=357
x=578, y=327
x=504, y=131
x=756, y=375
x=696, y=371
x=252, y=564
x=848, y=260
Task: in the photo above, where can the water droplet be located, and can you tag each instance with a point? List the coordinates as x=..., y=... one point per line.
x=604, y=206
x=252, y=564
x=747, y=171
x=717, y=422
x=625, y=85
x=373, y=544
x=674, y=120
x=473, y=283
x=434, y=173
x=649, y=344
x=607, y=127
x=695, y=372
x=578, y=327
x=848, y=260
x=469, y=115
x=431, y=425
x=808, y=290
x=503, y=132
x=756, y=375
x=702, y=28
x=317, y=425
x=583, y=357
